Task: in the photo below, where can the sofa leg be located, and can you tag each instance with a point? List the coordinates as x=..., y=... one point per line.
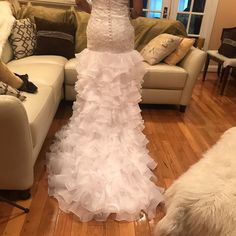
x=182, y=108
x=26, y=210
x=24, y=194
x=15, y=195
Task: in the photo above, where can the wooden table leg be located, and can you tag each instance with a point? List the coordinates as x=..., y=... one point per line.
x=225, y=79
x=219, y=69
x=206, y=67
x=222, y=74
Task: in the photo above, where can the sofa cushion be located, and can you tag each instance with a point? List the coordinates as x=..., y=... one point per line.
x=39, y=108
x=42, y=70
x=163, y=76
x=40, y=59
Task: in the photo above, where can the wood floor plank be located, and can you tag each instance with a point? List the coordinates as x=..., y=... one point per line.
x=48, y=218
x=112, y=228
x=5, y=215
x=16, y=220
x=78, y=228
x=142, y=227
x=33, y=218
x=95, y=228
x=127, y=228
x=63, y=224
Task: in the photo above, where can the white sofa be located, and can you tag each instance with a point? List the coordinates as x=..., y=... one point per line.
x=24, y=125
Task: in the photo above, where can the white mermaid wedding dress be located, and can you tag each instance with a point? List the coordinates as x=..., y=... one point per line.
x=99, y=163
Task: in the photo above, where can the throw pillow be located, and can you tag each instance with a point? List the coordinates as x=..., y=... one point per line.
x=6, y=89
x=180, y=52
x=54, y=38
x=160, y=47
x=8, y=77
x=23, y=38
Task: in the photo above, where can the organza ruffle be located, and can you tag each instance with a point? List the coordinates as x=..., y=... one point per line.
x=99, y=163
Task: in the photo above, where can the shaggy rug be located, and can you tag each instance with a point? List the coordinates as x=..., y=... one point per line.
x=6, y=23
x=202, y=202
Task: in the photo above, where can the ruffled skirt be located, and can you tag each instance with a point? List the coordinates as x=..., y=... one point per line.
x=99, y=163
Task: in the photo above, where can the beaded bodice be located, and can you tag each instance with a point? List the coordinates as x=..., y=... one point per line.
x=113, y=7
x=109, y=27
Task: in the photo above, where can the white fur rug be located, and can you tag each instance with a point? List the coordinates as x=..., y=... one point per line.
x=202, y=202
x=6, y=23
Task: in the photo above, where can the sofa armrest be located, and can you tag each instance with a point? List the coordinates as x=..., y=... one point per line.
x=192, y=63
x=16, y=164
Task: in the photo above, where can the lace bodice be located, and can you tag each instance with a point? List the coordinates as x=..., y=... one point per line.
x=109, y=27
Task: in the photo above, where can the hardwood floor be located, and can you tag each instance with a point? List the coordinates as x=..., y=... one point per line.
x=177, y=140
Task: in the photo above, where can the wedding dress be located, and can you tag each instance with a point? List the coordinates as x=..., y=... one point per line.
x=99, y=163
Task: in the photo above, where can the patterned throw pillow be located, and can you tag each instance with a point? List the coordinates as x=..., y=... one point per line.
x=23, y=38
x=6, y=89
x=55, y=38
x=160, y=47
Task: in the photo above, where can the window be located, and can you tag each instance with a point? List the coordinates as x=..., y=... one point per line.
x=190, y=13
x=153, y=8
